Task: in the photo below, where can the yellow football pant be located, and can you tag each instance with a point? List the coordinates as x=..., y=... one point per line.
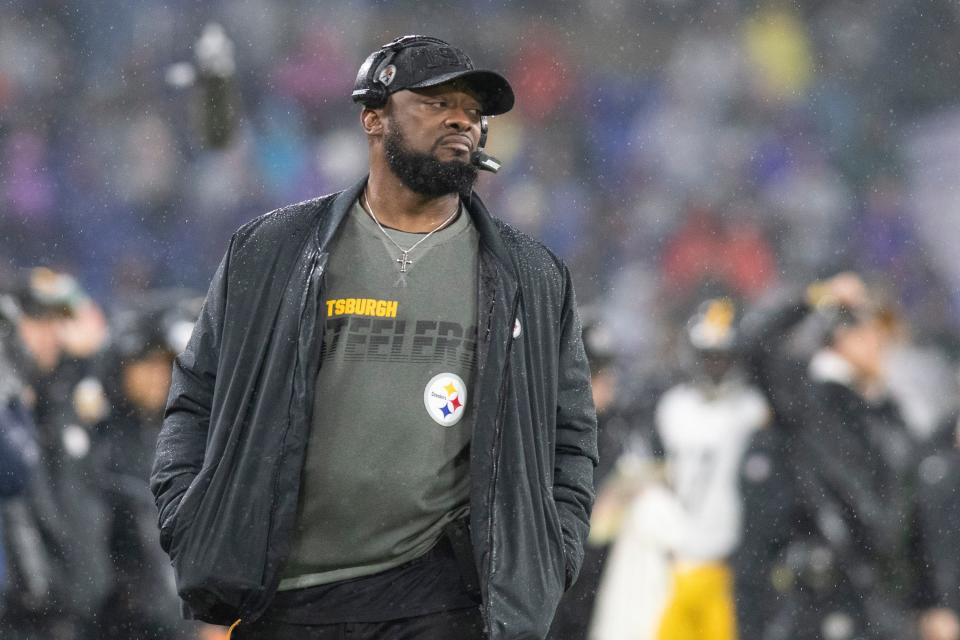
x=701, y=605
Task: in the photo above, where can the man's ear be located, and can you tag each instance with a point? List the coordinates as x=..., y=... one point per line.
x=372, y=121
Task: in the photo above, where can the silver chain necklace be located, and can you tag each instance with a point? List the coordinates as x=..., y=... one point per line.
x=403, y=260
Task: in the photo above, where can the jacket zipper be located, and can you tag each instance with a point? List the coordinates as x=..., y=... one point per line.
x=497, y=441
x=317, y=269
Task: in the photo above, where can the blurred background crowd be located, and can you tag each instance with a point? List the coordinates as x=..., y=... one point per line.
x=671, y=151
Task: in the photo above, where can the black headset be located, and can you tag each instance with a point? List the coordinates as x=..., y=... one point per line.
x=480, y=157
x=372, y=93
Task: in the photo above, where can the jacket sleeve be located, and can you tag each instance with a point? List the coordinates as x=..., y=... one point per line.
x=762, y=344
x=182, y=441
x=575, y=456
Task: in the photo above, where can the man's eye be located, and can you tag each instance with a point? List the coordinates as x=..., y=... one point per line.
x=438, y=104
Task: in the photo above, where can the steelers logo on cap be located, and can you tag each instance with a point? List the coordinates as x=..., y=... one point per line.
x=445, y=398
x=387, y=75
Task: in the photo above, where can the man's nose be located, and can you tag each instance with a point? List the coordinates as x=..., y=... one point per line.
x=458, y=119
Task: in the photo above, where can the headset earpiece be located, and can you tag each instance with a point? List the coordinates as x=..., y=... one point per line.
x=367, y=91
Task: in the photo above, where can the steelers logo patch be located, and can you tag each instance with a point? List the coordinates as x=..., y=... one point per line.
x=445, y=398
x=387, y=75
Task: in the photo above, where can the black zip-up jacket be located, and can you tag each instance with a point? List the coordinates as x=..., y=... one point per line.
x=229, y=456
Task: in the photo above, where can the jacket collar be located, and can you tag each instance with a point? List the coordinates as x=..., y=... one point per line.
x=489, y=233
x=337, y=212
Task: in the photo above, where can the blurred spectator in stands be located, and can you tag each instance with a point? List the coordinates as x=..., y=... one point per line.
x=779, y=50
x=147, y=335
x=18, y=448
x=59, y=568
x=706, y=255
x=543, y=72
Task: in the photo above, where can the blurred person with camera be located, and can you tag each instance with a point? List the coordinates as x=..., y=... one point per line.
x=382, y=424
x=843, y=570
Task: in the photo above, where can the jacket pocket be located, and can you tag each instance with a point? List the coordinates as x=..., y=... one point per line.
x=184, y=514
x=168, y=522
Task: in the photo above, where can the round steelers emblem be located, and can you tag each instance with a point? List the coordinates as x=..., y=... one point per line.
x=445, y=398
x=387, y=75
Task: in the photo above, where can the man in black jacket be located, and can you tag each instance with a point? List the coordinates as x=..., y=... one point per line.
x=842, y=566
x=382, y=424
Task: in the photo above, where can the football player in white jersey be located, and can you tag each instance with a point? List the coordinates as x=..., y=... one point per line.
x=689, y=523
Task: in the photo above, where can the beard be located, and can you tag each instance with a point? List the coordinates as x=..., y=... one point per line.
x=423, y=173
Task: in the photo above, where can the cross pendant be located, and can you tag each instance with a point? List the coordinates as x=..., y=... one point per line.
x=404, y=261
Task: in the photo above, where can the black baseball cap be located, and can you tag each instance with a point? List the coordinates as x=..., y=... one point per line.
x=41, y=292
x=418, y=62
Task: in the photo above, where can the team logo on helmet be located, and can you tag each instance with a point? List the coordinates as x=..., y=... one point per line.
x=445, y=398
x=713, y=326
x=387, y=75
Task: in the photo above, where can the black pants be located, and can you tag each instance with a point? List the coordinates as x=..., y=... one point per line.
x=462, y=624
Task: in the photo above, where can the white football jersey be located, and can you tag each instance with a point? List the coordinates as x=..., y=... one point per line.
x=705, y=432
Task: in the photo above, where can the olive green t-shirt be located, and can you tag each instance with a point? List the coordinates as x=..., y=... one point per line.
x=387, y=464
